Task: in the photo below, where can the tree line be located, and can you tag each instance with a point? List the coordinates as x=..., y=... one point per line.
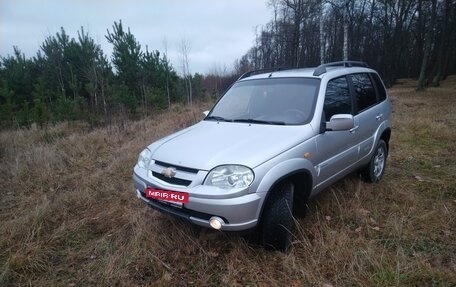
x=414, y=38
x=72, y=78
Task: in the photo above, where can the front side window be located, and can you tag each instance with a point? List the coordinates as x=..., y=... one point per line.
x=337, y=98
x=285, y=101
x=364, y=91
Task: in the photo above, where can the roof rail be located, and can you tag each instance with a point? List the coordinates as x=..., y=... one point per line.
x=322, y=68
x=260, y=71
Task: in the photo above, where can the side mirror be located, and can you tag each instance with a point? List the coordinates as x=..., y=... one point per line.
x=340, y=122
x=205, y=113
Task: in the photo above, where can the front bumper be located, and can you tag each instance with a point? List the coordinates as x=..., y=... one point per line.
x=239, y=213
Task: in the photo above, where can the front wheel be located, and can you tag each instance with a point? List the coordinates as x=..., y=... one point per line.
x=278, y=218
x=375, y=169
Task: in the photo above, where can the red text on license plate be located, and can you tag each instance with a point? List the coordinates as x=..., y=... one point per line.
x=167, y=195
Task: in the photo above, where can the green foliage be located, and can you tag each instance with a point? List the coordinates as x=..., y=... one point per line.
x=197, y=86
x=40, y=112
x=121, y=99
x=16, y=73
x=126, y=56
x=24, y=115
x=157, y=98
x=7, y=106
x=71, y=79
x=64, y=109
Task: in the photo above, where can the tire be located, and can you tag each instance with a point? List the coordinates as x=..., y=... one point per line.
x=277, y=223
x=374, y=170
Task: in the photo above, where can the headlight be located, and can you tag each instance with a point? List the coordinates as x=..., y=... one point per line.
x=230, y=176
x=144, y=158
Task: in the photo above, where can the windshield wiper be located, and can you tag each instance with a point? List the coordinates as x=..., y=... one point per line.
x=254, y=121
x=218, y=118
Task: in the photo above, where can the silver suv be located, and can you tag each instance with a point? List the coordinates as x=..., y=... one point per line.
x=271, y=142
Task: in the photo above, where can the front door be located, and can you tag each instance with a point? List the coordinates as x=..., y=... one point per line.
x=337, y=150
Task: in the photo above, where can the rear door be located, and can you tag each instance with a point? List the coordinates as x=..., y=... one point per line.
x=368, y=112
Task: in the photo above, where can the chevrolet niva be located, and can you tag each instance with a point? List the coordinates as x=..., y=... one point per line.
x=271, y=142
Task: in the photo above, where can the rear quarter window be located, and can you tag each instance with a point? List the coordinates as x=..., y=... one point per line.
x=381, y=93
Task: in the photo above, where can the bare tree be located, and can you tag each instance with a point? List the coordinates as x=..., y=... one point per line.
x=427, y=48
x=322, y=37
x=346, y=30
x=185, y=50
x=296, y=6
x=444, y=44
x=274, y=4
x=165, y=44
x=218, y=73
x=345, y=7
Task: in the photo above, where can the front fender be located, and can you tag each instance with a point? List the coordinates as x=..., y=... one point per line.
x=284, y=169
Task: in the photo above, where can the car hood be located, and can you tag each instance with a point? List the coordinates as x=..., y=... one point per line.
x=209, y=144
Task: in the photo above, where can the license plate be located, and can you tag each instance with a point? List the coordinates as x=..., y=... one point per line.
x=167, y=195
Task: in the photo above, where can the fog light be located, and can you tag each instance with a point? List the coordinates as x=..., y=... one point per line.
x=216, y=222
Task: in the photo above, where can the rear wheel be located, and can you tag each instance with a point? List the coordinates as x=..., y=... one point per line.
x=277, y=222
x=375, y=169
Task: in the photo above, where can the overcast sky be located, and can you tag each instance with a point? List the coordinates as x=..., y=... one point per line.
x=218, y=31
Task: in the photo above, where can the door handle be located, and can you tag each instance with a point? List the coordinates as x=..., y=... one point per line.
x=352, y=130
x=379, y=117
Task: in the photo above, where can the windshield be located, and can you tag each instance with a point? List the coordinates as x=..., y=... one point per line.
x=284, y=101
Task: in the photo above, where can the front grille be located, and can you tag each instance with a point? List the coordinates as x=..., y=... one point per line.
x=186, y=169
x=184, y=175
x=172, y=180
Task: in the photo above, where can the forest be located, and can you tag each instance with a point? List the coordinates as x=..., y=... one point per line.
x=400, y=39
x=73, y=79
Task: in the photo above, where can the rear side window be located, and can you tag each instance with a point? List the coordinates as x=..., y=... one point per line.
x=337, y=98
x=380, y=88
x=364, y=91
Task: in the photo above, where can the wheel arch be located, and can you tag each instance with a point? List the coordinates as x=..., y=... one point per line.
x=386, y=135
x=302, y=182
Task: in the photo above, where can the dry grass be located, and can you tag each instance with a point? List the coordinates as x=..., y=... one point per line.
x=69, y=216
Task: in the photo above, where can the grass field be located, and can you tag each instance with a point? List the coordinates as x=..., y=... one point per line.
x=69, y=215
